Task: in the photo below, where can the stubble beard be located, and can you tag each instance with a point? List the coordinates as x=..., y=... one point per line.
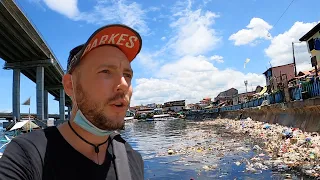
x=94, y=112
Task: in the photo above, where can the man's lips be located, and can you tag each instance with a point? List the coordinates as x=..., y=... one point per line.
x=120, y=103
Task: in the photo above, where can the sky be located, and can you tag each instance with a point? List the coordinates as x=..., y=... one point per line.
x=191, y=49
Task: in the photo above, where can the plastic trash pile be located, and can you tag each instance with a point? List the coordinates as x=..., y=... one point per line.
x=280, y=148
x=202, y=149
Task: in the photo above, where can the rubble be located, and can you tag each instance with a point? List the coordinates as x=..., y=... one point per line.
x=246, y=145
x=281, y=148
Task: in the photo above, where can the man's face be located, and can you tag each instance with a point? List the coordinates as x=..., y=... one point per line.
x=103, y=87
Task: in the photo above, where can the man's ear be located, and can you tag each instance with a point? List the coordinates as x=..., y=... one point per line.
x=67, y=84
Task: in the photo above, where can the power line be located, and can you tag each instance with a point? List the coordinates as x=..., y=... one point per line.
x=283, y=14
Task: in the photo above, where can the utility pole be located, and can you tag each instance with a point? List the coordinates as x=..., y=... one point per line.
x=294, y=61
x=246, y=84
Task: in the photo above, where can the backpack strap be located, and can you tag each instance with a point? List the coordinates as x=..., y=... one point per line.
x=120, y=157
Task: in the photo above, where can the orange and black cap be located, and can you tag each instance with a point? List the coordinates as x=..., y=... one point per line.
x=123, y=37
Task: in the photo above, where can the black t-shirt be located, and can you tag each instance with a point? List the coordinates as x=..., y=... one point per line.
x=45, y=154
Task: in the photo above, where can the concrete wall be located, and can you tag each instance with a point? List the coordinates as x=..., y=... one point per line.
x=302, y=114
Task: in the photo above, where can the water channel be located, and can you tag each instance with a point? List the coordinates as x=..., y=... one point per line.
x=202, y=153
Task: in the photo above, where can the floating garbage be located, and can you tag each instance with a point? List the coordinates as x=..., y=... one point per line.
x=280, y=148
x=273, y=147
x=170, y=151
x=257, y=147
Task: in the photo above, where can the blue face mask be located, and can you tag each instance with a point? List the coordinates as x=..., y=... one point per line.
x=82, y=121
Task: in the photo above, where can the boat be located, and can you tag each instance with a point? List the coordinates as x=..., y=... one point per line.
x=16, y=129
x=161, y=116
x=144, y=113
x=4, y=141
x=149, y=119
x=128, y=118
x=24, y=126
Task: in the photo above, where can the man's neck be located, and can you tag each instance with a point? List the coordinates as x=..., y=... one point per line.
x=94, y=139
x=80, y=145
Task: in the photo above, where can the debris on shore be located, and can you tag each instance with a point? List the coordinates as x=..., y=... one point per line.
x=283, y=149
x=286, y=148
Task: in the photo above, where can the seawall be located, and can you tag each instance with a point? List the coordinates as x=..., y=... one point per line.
x=301, y=114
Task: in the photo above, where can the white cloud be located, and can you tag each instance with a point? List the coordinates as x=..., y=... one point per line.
x=195, y=35
x=153, y=9
x=68, y=8
x=217, y=58
x=163, y=38
x=190, y=74
x=147, y=60
x=257, y=29
x=104, y=12
x=191, y=78
x=280, y=49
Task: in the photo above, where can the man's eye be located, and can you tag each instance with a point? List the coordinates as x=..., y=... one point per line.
x=105, y=71
x=128, y=75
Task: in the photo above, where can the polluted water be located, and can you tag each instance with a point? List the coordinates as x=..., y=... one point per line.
x=223, y=149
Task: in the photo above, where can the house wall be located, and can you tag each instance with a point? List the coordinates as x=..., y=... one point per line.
x=314, y=52
x=287, y=69
x=235, y=100
x=174, y=108
x=226, y=95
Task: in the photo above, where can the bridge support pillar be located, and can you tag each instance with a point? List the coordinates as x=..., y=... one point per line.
x=40, y=93
x=45, y=98
x=62, y=105
x=16, y=95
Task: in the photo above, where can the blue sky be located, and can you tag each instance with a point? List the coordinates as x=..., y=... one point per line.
x=191, y=49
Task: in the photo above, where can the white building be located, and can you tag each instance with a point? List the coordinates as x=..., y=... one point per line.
x=175, y=106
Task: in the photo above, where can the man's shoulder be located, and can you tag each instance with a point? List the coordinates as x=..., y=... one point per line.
x=34, y=141
x=35, y=137
x=132, y=152
x=24, y=156
x=135, y=162
x=30, y=137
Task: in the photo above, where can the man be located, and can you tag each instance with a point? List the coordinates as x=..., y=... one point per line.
x=98, y=81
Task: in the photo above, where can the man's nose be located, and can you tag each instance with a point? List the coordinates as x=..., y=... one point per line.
x=122, y=84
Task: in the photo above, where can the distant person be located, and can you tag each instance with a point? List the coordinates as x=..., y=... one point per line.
x=98, y=81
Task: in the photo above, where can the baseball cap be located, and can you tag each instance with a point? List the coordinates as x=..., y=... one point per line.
x=121, y=36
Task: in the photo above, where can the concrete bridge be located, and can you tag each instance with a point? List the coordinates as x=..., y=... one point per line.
x=24, y=51
x=9, y=116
